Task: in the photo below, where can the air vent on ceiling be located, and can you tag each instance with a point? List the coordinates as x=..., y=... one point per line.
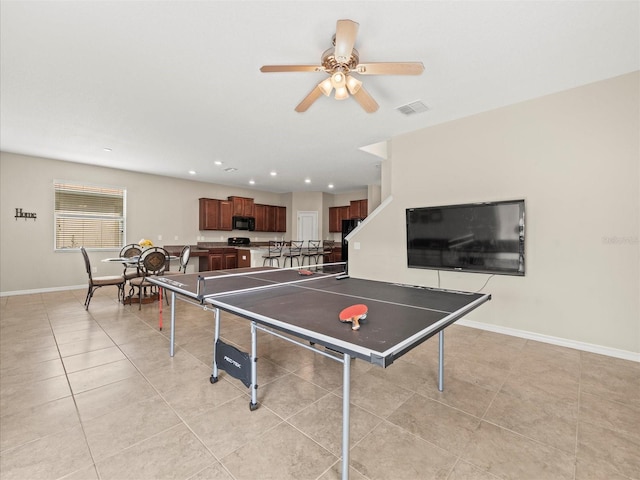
x=413, y=107
x=230, y=169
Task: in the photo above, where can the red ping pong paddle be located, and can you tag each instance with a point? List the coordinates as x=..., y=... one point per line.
x=353, y=315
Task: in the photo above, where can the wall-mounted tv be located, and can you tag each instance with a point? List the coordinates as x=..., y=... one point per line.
x=476, y=237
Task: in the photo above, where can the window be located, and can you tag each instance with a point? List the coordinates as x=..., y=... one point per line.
x=89, y=215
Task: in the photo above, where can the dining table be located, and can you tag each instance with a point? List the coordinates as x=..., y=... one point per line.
x=129, y=262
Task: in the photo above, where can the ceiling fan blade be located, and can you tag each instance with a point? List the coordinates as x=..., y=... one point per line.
x=346, y=31
x=365, y=100
x=390, y=68
x=291, y=68
x=309, y=99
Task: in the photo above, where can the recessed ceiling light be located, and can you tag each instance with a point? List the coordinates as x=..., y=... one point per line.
x=192, y=172
x=273, y=174
x=252, y=182
x=217, y=162
x=307, y=180
x=330, y=185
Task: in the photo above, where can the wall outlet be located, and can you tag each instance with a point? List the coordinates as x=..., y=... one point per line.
x=94, y=269
x=356, y=245
x=159, y=237
x=176, y=237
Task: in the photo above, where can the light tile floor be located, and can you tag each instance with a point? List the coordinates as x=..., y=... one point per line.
x=95, y=395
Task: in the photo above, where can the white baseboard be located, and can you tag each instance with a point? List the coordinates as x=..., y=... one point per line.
x=563, y=342
x=43, y=290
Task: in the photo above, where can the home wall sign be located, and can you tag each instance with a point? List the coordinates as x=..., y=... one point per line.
x=25, y=215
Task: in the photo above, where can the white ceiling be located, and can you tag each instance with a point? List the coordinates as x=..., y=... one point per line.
x=172, y=86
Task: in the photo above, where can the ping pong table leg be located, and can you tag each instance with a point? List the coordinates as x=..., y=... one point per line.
x=441, y=360
x=254, y=367
x=173, y=323
x=216, y=336
x=346, y=392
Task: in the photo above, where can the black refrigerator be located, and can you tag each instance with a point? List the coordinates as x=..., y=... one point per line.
x=347, y=227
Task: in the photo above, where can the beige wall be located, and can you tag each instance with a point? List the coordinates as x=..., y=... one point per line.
x=156, y=206
x=574, y=157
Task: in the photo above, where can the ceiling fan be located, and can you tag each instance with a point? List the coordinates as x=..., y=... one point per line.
x=339, y=62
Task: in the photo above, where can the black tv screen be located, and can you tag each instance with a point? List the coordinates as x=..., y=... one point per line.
x=476, y=237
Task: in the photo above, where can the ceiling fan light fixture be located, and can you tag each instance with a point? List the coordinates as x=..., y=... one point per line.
x=338, y=80
x=341, y=93
x=326, y=86
x=353, y=84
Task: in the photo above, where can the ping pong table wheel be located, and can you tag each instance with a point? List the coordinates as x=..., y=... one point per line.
x=213, y=379
x=253, y=406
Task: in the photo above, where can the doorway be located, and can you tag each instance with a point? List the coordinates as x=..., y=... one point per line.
x=308, y=226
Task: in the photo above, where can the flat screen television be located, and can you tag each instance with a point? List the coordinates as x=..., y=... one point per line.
x=476, y=237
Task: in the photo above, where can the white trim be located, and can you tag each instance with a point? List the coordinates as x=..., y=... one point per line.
x=563, y=342
x=369, y=217
x=42, y=290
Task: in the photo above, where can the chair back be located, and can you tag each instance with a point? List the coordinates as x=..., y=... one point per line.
x=275, y=248
x=314, y=246
x=327, y=246
x=295, y=247
x=184, y=258
x=87, y=263
x=131, y=250
x=153, y=261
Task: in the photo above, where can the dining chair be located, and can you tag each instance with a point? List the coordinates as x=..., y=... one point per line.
x=152, y=262
x=97, y=282
x=130, y=251
x=312, y=252
x=294, y=250
x=274, y=253
x=185, y=254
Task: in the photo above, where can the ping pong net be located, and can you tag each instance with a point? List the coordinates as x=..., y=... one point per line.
x=232, y=283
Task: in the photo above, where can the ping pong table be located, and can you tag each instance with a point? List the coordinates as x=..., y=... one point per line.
x=304, y=310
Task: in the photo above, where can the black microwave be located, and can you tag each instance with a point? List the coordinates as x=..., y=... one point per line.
x=244, y=223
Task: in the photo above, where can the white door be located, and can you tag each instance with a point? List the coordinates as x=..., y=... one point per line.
x=308, y=226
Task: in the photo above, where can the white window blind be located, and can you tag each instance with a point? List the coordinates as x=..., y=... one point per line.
x=91, y=216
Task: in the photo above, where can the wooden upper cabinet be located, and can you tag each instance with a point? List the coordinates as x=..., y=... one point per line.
x=336, y=215
x=281, y=219
x=355, y=209
x=261, y=217
x=358, y=208
x=214, y=214
x=270, y=218
x=242, y=206
x=226, y=215
x=209, y=214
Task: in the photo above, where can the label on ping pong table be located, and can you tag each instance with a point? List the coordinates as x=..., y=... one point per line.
x=233, y=361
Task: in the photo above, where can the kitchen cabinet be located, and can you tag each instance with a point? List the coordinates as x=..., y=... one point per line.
x=223, y=258
x=261, y=217
x=355, y=209
x=336, y=215
x=209, y=214
x=242, y=206
x=358, y=208
x=214, y=214
x=244, y=257
x=281, y=219
x=226, y=215
x=270, y=218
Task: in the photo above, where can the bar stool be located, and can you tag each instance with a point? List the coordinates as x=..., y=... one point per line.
x=312, y=251
x=274, y=253
x=294, y=251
